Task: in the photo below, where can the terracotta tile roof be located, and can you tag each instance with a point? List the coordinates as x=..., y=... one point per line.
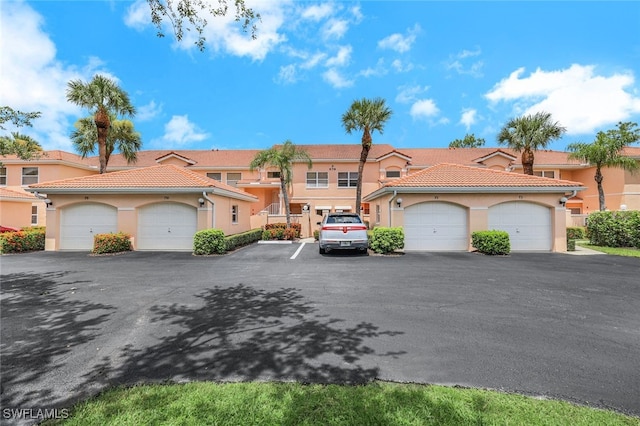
x=421, y=157
x=55, y=155
x=455, y=175
x=236, y=158
x=159, y=176
x=16, y=194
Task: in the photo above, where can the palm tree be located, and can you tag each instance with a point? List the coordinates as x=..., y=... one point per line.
x=366, y=115
x=282, y=158
x=606, y=151
x=121, y=136
x=530, y=133
x=101, y=96
x=25, y=147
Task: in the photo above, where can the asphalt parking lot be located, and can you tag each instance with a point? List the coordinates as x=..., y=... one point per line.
x=544, y=324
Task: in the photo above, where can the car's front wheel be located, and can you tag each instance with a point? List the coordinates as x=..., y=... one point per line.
x=321, y=249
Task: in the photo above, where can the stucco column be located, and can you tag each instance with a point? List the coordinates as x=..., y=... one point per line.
x=478, y=221
x=559, y=225
x=51, y=236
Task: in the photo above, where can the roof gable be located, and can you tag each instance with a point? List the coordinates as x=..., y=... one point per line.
x=174, y=155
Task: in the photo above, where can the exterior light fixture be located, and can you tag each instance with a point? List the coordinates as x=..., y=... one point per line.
x=563, y=201
x=48, y=202
x=399, y=202
x=201, y=201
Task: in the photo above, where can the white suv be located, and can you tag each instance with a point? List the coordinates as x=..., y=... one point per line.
x=342, y=231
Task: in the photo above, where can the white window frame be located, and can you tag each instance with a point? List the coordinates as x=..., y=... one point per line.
x=234, y=213
x=386, y=173
x=215, y=176
x=545, y=173
x=31, y=176
x=315, y=181
x=349, y=181
x=34, y=214
x=3, y=176
x=233, y=182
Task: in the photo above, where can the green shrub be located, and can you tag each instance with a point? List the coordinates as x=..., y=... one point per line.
x=238, y=240
x=576, y=233
x=491, y=242
x=209, y=241
x=386, y=240
x=316, y=235
x=280, y=225
x=571, y=245
x=111, y=243
x=28, y=239
x=614, y=229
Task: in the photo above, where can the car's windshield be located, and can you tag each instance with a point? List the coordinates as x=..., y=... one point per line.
x=343, y=219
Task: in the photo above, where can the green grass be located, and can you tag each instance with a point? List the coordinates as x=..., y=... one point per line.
x=378, y=403
x=618, y=251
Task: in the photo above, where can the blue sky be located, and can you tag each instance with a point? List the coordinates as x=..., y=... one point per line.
x=445, y=69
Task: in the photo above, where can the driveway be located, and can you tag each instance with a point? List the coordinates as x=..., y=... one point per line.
x=544, y=324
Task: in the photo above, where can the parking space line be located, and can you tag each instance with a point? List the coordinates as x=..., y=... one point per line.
x=297, y=251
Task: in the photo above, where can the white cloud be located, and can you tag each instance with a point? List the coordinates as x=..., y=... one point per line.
x=224, y=33
x=179, y=131
x=468, y=117
x=148, y=111
x=318, y=12
x=24, y=62
x=342, y=58
x=378, y=71
x=458, y=61
x=335, y=79
x=400, y=66
x=335, y=29
x=138, y=15
x=424, y=108
x=287, y=74
x=398, y=42
x=408, y=94
x=577, y=97
x=313, y=60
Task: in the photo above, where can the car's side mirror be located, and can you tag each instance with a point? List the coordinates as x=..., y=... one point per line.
x=318, y=223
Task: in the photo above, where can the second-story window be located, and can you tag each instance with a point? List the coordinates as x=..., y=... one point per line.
x=217, y=176
x=3, y=176
x=233, y=178
x=391, y=174
x=545, y=173
x=29, y=175
x=347, y=179
x=317, y=179
x=273, y=175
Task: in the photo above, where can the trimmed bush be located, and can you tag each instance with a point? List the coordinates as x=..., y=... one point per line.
x=280, y=225
x=576, y=233
x=209, y=241
x=614, y=229
x=386, y=240
x=111, y=243
x=28, y=239
x=571, y=245
x=245, y=238
x=491, y=242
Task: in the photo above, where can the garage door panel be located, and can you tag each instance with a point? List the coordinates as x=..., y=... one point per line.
x=436, y=226
x=528, y=225
x=81, y=222
x=166, y=226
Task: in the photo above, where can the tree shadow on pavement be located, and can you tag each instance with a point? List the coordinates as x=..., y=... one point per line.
x=40, y=324
x=241, y=333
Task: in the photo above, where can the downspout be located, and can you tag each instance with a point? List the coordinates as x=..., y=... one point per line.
x=573, y=194
x=213, y=210
x=395, y=194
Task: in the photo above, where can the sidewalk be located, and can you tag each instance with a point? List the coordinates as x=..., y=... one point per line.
x=583, y=251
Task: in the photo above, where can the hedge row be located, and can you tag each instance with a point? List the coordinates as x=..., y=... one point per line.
x=213, y=241
x=491, y=242
x=111, y=243
x=279, y=231
x=27, y=239
x=614, y=229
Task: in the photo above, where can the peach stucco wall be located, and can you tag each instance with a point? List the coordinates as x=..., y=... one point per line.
x=46, y=172
x=15, y=214
x=478, y=210
x=127, y=204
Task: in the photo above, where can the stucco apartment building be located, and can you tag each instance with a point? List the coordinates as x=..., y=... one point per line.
x=439, y=195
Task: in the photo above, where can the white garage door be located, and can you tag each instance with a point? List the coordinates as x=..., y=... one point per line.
x=79, y=223
x=166, y=226
x=436, y=226
x=528, y=224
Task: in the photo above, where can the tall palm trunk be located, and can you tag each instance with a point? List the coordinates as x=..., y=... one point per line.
x=101, y=119
x=598, y=178
x=285, y=199
x=527, y=161
x=366, y=147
